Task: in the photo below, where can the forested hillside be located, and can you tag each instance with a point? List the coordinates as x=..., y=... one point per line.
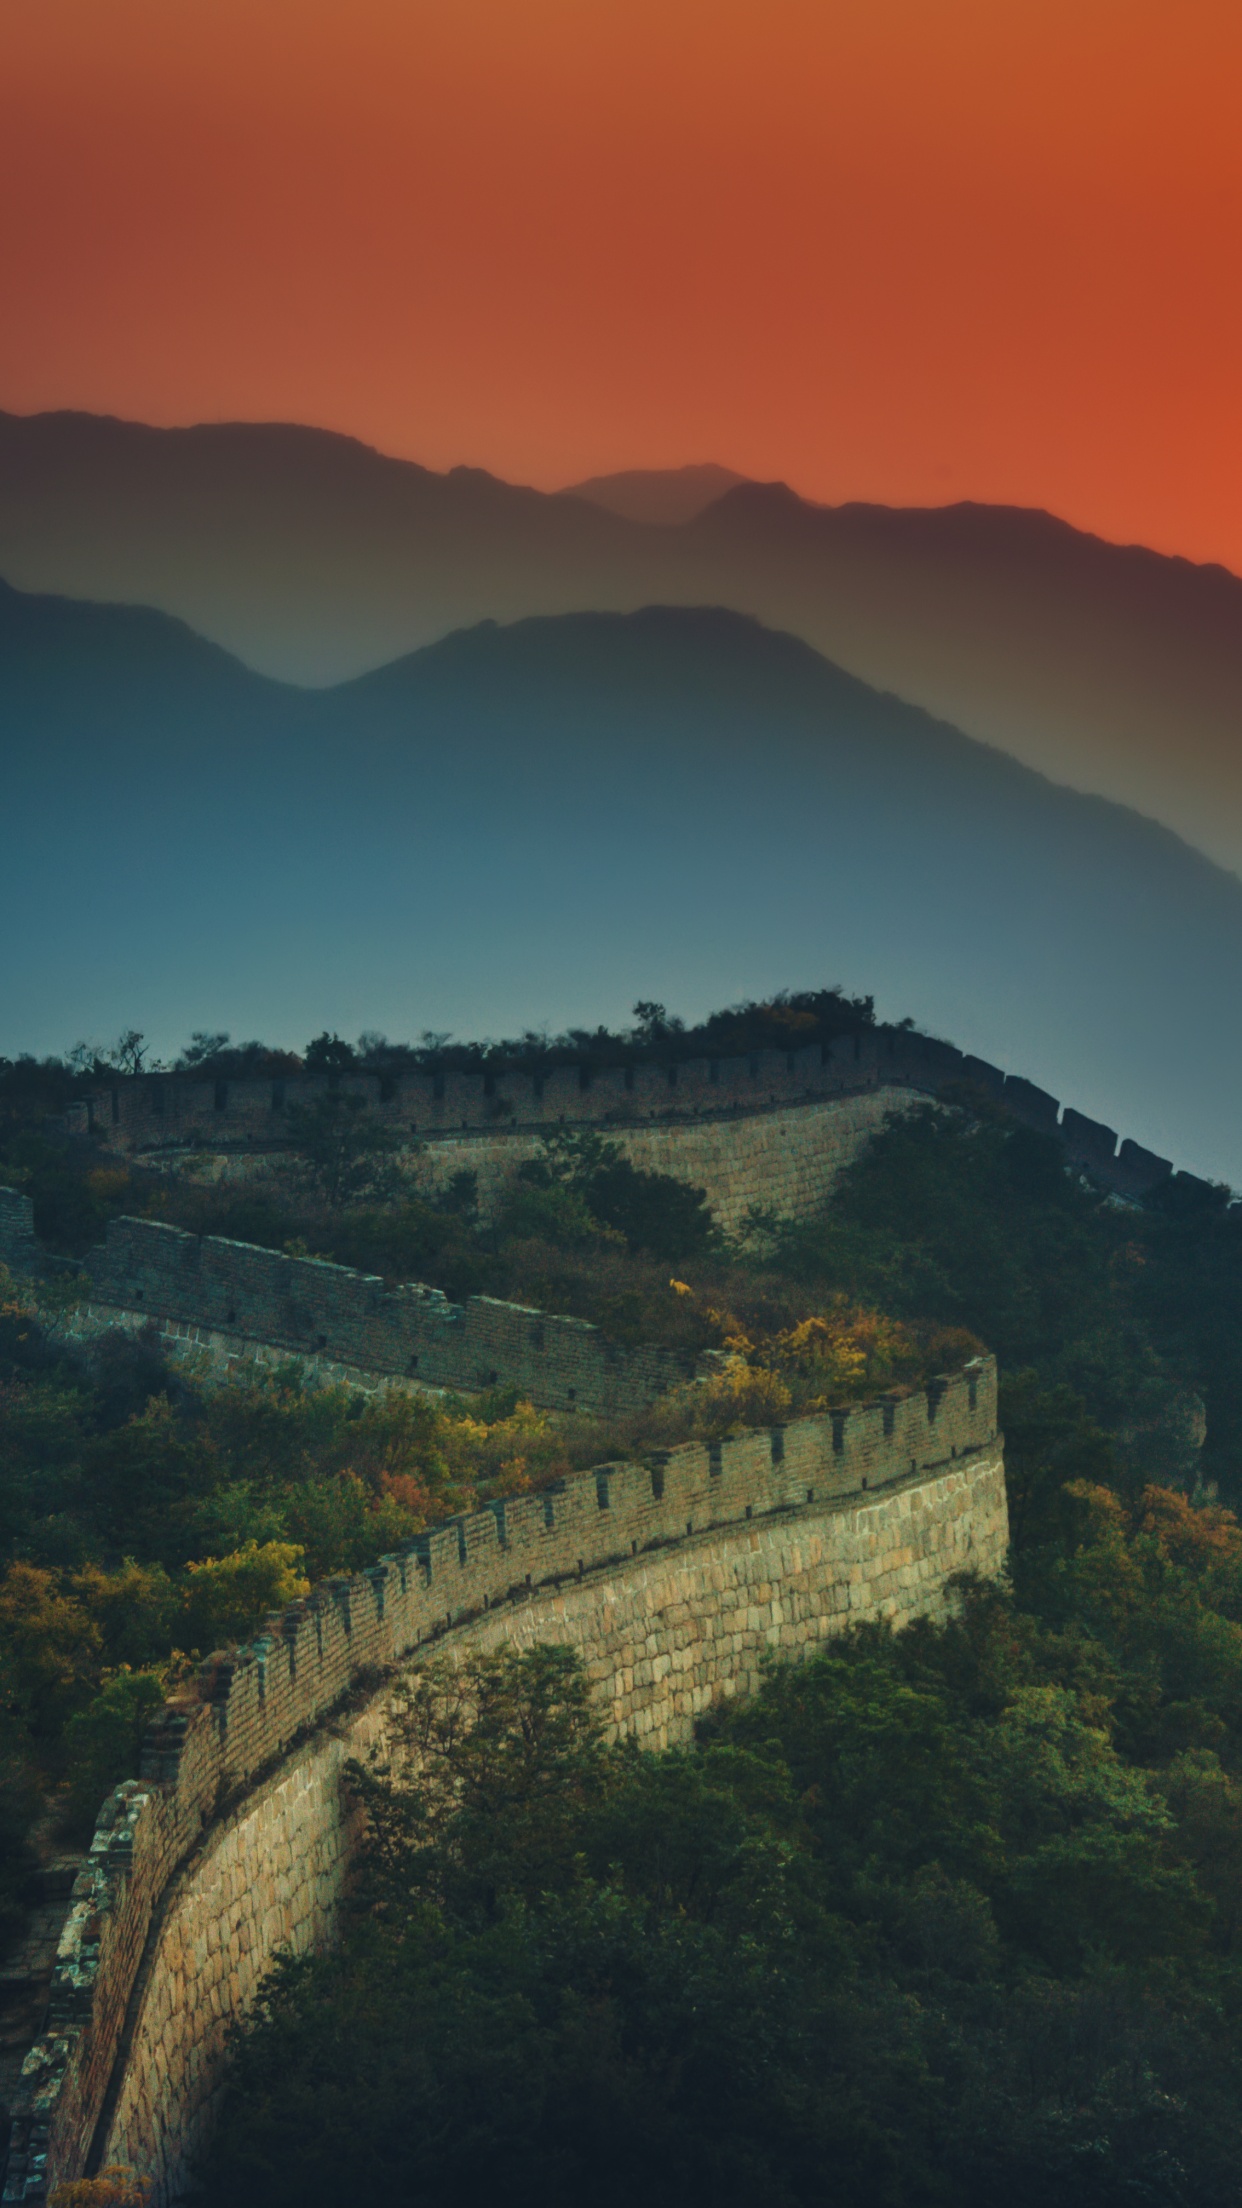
x=939, y=1917
x=950, y=1912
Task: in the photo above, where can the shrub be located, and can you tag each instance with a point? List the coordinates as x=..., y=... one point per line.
x=115, y=2187
x=103, y=1742
x=227, y=1596
x=655, y=1212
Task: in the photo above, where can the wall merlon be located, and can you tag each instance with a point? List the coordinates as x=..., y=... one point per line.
x=1033, y=1106
x=18, y=1247
x=1139, y=1170
x=1088, y=1142
x=981, y=1075
x=1193, y=1181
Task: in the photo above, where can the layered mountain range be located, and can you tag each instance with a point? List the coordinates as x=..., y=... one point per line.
x=548, y=819
x=313, y=558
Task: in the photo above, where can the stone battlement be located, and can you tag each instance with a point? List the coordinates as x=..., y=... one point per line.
x=670, y=1576
x=201, y=1291
x=150, y=1112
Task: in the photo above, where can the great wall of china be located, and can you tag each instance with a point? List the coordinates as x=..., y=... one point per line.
x=671, y=1577
x=483, y=1117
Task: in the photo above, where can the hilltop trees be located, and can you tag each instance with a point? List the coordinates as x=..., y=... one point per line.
x=911, y=1917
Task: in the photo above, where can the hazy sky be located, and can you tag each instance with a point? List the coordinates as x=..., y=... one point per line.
x=883, y=248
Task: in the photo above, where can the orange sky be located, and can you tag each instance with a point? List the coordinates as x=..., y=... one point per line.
x=910, y=250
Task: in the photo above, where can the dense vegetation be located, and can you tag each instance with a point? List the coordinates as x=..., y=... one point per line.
x=584, y=1232
x=146, y=1519
x=925, y=1923
x=787, y=1021
x=939, y=1915
x=1115, y=1325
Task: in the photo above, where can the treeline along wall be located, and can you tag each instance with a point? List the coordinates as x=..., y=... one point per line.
x=671, y=1578
x=155, y=1111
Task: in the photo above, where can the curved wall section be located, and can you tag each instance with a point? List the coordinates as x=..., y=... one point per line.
x=662, y=1637
x=671, y=1577
x=153, y=1112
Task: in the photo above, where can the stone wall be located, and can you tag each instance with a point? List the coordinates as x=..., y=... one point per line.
x=237, y=1305
x=153, y=1111
x=782, y=1158
x=267, y=1880
x=170, y=1112
x=662, y=1639
x=216, y=1355
x=671, y=1578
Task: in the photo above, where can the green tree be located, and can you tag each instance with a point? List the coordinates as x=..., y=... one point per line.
x=906, y=1918
x=344, y=1153
x=225, y=1596
x=50, y=1649
x=103, y=1742
x=653, y=1212
x=328, y=1054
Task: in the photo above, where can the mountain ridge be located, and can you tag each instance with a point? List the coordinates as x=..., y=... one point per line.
x=312, y=556
x=662, y=495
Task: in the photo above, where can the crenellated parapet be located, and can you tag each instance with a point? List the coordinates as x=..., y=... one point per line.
x=316, y=1310
x=671, y=1577
x=162, y=1111
x=262, y=1697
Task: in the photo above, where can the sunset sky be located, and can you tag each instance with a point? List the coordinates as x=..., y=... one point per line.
x=882, y=248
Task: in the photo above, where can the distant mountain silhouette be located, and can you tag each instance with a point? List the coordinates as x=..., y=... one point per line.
x=66, y=667
x=665, y=495
x=548, y=820
x=1112, y=668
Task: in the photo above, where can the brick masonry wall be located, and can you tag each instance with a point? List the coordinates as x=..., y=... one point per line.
x=218, y=1355
x=671, y=1577
x=783, y=1158
x=157, y=1111
x=317, y=1310
x=162, y=1112
x=238, y=1306
x=773, y=1130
